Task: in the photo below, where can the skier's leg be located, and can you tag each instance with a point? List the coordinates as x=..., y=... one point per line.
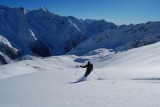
x=87, y=73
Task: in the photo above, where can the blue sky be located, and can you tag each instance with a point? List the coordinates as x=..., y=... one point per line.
x=116, y=11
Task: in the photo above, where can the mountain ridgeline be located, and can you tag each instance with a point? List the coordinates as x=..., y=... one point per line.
x=42, y=33
x=121, y=39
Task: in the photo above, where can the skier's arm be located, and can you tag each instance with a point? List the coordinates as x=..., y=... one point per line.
x=83, y=66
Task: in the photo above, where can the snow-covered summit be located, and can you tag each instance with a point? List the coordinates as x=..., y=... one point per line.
x=43, y=9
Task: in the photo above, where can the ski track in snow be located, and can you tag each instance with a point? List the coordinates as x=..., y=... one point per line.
x=131, y=79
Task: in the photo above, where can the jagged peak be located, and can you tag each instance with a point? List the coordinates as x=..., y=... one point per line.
x=24, y=10
x=89, y=20
x=43, y=9
x=5, y=7
x=21, y=9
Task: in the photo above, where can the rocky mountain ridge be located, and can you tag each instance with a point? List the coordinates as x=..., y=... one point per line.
x=42, y=33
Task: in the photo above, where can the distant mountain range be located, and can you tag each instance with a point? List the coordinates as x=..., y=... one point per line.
x=42, y=33
x=121, y=39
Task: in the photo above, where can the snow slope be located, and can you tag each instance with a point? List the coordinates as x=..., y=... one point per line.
x=121, y=39
x=130, y=79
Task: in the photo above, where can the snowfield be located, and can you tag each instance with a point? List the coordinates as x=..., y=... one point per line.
x=130, y=79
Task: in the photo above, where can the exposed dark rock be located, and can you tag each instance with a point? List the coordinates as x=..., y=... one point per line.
x=69, y=45
x=2, y=60
x=11, y=52
x=40, y=49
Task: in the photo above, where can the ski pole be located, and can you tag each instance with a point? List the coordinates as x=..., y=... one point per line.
x=96, y=73
x=77, y=70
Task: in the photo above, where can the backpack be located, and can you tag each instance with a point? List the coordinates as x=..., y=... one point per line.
x=91, y=66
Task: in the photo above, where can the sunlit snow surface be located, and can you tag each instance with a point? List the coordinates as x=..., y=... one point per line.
x=130, y=79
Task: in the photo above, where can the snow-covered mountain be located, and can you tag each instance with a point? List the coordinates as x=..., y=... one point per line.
x=40, y=32
x=122, y=76
x=123, y=38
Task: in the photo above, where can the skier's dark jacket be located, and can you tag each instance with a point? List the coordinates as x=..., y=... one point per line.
x=89, y=67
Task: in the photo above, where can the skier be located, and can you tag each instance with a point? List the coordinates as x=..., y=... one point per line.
x=89, y=68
